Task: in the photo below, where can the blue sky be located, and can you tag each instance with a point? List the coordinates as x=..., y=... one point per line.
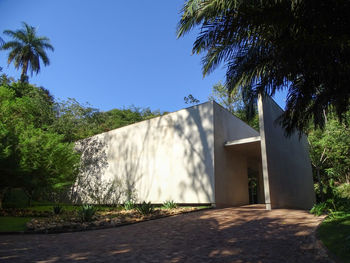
x=114, y=53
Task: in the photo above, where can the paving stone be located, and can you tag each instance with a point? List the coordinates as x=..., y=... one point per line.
x=243, y=234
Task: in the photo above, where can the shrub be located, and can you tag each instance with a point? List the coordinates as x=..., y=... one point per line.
x=338, y=200
x=344, y=191
x=145, y=208
x=57, y=209
x=129, y=205
x=86, y=213
x=169, y=204
x=319, y=209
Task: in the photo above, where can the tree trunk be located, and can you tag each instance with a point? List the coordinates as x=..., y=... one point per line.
x=24, y=77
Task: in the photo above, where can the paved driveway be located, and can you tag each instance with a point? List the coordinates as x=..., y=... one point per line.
x=245, y=234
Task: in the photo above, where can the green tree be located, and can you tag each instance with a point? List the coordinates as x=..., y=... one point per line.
x=32, y=156
x=78, y=121
x=300, y=45
x=27, y=49
x=234, y=103
x=75, y=121
x=221, y=95
x=330, y=151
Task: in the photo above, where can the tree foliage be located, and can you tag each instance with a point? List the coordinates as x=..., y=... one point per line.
x=38, y=135
x=27, y=49
x=270, y=45
x=32, y=155
x=234, y=103
x=330, y=149
x=78, y=121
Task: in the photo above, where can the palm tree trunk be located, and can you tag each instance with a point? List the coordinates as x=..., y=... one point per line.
x=24, y=77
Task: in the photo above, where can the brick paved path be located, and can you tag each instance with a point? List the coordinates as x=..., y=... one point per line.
x=246, y=234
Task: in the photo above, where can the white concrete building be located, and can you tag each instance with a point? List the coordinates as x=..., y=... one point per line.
x=201, y=155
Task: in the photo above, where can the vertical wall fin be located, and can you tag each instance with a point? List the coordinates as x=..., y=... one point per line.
x=286, y=163
x=264, y=154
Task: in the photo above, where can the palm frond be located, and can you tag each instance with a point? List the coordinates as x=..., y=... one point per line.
x=27, y=49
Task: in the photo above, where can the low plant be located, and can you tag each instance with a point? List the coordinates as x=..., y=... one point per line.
x=145, y=208
x=86, y=213
x=129, y=205
x=169, y=204
x=57, y=209
x=319, y=209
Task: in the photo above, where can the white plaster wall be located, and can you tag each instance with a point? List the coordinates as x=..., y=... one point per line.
x=166, y=158
x=286, y=163
x=231, y=178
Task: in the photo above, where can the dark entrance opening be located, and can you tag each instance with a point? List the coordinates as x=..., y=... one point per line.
x=253, y=186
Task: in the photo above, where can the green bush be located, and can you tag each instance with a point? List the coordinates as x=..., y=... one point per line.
x=86, y=213
x=129, y=205
x=319, y=209
x=57, y=209
x=145, y=208
x=343, y=191
x=169, y=204
x=338, y=200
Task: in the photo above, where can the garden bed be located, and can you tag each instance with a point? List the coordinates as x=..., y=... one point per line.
x=69, y=221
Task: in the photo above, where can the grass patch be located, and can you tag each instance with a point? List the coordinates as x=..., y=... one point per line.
x=13, y=224
x=335, y=234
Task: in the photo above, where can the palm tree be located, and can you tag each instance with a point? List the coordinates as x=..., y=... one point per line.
x=301, y=46
x=27, y=49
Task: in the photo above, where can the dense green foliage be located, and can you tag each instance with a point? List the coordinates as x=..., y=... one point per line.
x=76, y=121
x=32, y=155
x=27, y=49
x=37, y=136
x=300, y=45
x=338, y=199
x=330, y=155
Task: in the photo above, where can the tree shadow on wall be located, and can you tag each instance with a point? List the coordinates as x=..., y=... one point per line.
x=198, y=156
x=90, y=187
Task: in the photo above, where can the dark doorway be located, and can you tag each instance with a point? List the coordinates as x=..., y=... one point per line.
x=253, y=186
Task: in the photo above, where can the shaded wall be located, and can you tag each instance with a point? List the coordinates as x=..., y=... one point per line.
x=166, y=158
x=286, y=164
x=231, y=168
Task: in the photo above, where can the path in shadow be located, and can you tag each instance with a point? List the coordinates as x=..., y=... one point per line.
x=220, y=235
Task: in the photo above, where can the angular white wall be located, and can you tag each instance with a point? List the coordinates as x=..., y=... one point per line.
x=285, y=160
x=166, y=158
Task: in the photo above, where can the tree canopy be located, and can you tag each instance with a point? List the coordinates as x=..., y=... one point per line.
x=270, y=45
x=33, y=156
x=27, y=49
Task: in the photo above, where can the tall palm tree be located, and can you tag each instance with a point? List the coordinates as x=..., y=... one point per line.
x=302, y=46
x=27, y=49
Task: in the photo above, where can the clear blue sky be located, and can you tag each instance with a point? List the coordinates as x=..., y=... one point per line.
x=113, y=53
